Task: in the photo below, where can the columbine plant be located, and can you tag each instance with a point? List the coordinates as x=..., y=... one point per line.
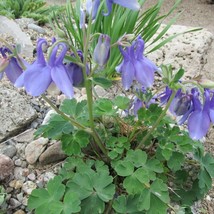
x=126, y=154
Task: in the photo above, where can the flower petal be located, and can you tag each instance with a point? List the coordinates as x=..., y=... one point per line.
x=61, y=79
x=144, y=73
x=127, y=74
x=13, y=70
x=198, y=124
x=37, y=79
x=131, y=4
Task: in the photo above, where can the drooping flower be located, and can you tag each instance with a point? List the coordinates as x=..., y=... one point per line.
x=90, y=8
x=135, y=66
x=9, y=65
x=75, y=72
x=102, y=50
x=199, y=120
x=58, y=71
x=39, y=75
x=188, y=107
x=131, y=4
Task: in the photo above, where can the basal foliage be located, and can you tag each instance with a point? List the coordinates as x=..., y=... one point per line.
x=125, y=154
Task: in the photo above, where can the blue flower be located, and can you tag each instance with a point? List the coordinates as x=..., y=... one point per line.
x=39, y=75
x=199, y=119
x=187, y=106
x=9, y=65
x=135, y=66
x=131, y=4
x=75, y=72
x=102, y=50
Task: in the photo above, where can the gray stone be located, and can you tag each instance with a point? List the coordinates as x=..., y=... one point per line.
x=8, y=148
x=53, y=90
x=28, y=187
x=52, y=154
x=10, y=27
x=35, y=149
x=18, y=162
x=14, y=203
x=48, y=116
x=36, y=28
x=188, y=50
x=100, y=91
x=32, y=177
x=6, y=167
x=16, y=113
x=20, y=173
x=25, y=137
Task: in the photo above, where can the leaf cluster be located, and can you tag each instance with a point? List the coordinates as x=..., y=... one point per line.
x=132, y=180
x=36, y=9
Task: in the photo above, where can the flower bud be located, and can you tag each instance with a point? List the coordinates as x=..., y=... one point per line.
x=102, y=50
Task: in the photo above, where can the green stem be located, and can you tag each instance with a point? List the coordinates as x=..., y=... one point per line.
x=88, y=86
x=73, y=122
x=157, y=122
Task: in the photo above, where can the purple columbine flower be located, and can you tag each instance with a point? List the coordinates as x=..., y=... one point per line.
x=135, y=66
x=75, y=72
x=188, y=107
x=10, y=65
x=199, y=119
x=102, y=50
x=90, y=8
x=131, y=4
x=39, y=75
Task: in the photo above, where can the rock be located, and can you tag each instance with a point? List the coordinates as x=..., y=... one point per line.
x=48, y=176
x=16, y=184
x=48, y=116
x=25, y=137
x=100, y=92
x=24, y=22
x=14, y=203
x=18, y=162
x=8, y=148
x=53, y=90
x=35, y=149
x=19, y=212
x=20, y=173
x=36, y=28
x=8, y=26
x=52, y=154
x=32, y=177
x=15, y=112
x=28, y=187
x=6, y=167
x=188, y=50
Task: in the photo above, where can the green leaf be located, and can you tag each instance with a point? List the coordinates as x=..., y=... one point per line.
x=104, y=107
x=73, y=108
x=178, y=75
x=155, y=198
x=71, y=203
x=122, y=102
x=126, y=204
x=103, y=82
x=41, y=199
x=93, y=188
x=176, y=161
x=124, y=168
x=55, y=128
x=137, y=157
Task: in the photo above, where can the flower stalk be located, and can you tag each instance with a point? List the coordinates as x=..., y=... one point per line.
x=158, y=121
